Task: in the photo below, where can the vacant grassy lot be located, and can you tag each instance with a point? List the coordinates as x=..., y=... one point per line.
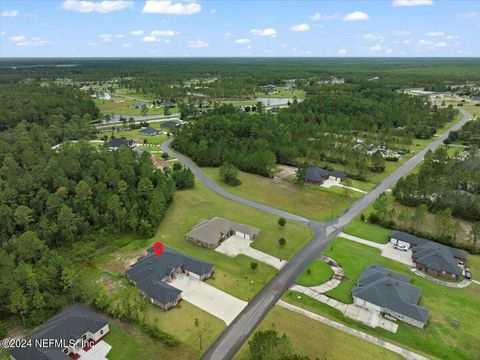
x=125, y=107
x=368, y=231
x=439, y=338
x=316, y=273
x=316, y=340
x=313, y=202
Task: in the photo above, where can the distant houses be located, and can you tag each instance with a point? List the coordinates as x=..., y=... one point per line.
x=390, y=294
x=431, y=257
x=77, y=332
x=370, y=149
x=210, y=233
x=151, y=274
x=316, y=175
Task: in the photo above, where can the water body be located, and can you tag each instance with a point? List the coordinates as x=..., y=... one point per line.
x=274, y=101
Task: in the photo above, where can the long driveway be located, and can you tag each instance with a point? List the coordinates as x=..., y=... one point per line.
x=238, y=332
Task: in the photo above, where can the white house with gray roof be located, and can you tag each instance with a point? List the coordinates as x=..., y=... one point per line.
x=210, y=233
x=391, y=294
x=151, y=275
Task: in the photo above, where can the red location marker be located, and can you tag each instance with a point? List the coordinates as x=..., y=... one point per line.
x=158, y=248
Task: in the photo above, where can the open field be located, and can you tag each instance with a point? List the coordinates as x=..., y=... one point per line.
x=136, y=136
x=445, y=304
x=311, y=201
x=472, y=109
x=318, y=272
x=317, y=340
x=282, y=93
x=125, y=107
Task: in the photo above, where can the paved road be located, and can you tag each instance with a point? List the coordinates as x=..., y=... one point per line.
x=147, y=119
x=231, y=340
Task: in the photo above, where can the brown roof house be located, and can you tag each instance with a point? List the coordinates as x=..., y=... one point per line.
x=210, y=233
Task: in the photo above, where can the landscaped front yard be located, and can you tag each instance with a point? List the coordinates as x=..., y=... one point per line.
x=317, y=340
x=439, y=336
x=318, y=272
x=312, y=202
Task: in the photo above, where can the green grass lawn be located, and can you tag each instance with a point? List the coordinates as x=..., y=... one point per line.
x=316, y=340
x=232, y=275
x=368, y=231
x=313, y=202
x=318, y=272
x=125, y=107
x=439, y=337
x=282, y=93
x=135, y=135
x=472, y=109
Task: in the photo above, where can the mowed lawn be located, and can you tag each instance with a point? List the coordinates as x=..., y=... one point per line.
x=312, y=202
x=316, y=340
x=440, y=337
x=136, y=136
x=233, y=275
x=318, y=272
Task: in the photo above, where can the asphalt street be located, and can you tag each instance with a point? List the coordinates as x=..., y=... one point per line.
x=235, y=335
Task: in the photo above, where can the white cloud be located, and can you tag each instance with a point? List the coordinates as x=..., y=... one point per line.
x=101, y=7
x=149, y=38
x=318, y=16
x=170, y=7
x=441, y=44
x=452, y=37
x=435, y=33
x=343, y=51
x=242, y=41
x=136, y=32
x=119, y=36
x=10, y=13
x=425, y=42
x=375, y=37
x=106, y=37
x=197, y=44
x=401, y=33
x=406, y=42
x=356, y=16
x=213, y=11
x=264, y=32
x=163, y=33
x=388, y=51
x=470, y=15
x=3, y=33
x=377, y=47
x=401, y=3
x=126, y=45
x=21, y=40
x=227, y=34
x=300, y=27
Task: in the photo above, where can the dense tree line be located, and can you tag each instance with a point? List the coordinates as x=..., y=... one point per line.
x=469, y=134
x=321, y=130
x=44, y=105
x=444, y=182
x=53, y=202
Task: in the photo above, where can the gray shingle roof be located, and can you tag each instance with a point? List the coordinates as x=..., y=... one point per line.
x=149, y=131
x=117, y=142
x=210, y=231
x=390, y=290
x=317, y=174
x=70, y=324
x=411, y=239
x=437, y=256
x=150, y=271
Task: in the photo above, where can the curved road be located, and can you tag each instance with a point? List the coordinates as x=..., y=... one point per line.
x=235, y=335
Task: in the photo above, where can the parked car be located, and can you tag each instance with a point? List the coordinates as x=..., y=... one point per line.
x=467, y=274
x=400, y=247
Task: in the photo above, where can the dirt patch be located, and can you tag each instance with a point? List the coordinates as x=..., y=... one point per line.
x=286, y=173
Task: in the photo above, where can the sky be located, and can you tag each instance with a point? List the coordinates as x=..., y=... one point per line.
x=171, y=28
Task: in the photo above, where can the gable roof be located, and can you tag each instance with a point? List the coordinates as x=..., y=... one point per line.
x=318, y=174
x=170, y=124
x=409, y=238
x=150, y=271
x=117, y=142
x=436, y=256
x=210, y=231
x=149, y=131
x=390, y=290
x=68, y=325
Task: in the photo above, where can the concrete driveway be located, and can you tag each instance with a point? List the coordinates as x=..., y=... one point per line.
x=235, y=245
x=388, y=251
x=98, y=352
x=208, y=298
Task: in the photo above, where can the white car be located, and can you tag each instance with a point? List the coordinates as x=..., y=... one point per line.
x=400, y=247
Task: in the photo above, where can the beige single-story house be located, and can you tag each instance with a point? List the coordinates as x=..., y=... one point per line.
x=210, y=233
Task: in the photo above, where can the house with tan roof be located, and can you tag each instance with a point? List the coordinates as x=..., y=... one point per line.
x=210, y=233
